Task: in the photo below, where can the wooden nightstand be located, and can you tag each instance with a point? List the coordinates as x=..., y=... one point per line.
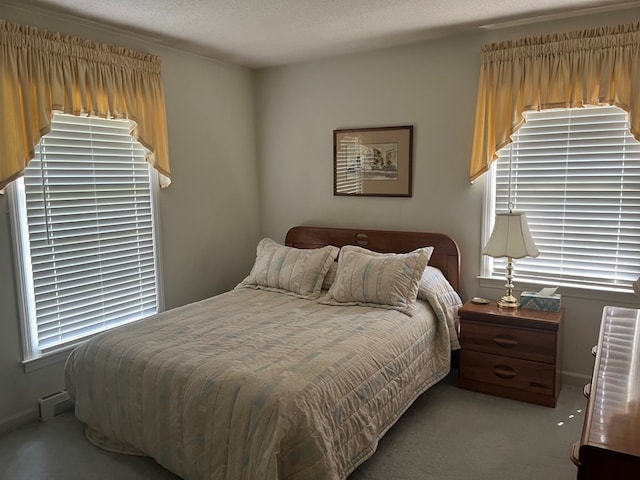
x=511, y=353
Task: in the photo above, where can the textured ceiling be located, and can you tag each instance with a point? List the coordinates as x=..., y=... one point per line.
x=260, y=33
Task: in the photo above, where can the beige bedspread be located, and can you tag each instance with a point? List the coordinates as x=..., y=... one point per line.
x=253, y=384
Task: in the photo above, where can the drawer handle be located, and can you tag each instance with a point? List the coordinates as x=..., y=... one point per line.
x=538, y=385
x=504, y=371
x=503, y=340
x=594, y=350
x=575, y=454
x=586, y=391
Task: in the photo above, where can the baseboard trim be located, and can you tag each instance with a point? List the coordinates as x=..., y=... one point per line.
x=573, y=378
x=18, y=420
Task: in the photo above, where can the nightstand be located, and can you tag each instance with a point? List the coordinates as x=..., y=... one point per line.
x=513, y=353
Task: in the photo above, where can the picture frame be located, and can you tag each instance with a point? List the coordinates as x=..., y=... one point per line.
x=373, y=162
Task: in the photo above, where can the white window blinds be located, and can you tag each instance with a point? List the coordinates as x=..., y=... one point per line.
x=576, y=174
x=349, y=168
x=89, y=253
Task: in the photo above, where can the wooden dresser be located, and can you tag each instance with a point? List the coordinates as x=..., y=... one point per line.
x=610, y=444
x=512, y=353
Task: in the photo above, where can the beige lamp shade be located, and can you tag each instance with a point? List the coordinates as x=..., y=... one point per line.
x=511, y=237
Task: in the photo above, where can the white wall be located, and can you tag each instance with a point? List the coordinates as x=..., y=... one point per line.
x=431, y=85
x=209, y=215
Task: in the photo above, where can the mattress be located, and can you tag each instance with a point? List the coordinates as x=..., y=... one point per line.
x=252, y=384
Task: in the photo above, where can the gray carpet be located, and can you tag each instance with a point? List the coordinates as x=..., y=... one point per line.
x=447, y=434
x=454, y=434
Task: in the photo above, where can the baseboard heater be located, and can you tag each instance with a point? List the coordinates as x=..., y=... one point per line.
x=54, y=404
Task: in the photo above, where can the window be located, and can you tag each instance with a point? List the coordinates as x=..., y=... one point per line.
x=86, y=249
x=576, y=174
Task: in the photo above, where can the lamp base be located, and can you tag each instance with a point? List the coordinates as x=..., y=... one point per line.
x=508, y=301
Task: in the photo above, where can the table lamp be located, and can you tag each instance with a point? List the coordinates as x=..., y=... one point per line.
x=510, y=238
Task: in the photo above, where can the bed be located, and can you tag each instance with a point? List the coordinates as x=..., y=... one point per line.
x=266, y=383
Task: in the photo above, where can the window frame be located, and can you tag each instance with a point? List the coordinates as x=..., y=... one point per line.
x=33, y=358
x=577, y=290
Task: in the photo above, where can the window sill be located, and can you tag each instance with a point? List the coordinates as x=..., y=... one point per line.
x=581, y=293
x=47, y=359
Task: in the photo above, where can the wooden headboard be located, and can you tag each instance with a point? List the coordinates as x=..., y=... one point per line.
x=446, y=255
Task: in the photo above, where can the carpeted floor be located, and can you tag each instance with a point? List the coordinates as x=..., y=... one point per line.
x=454, y=434
x=447, y=434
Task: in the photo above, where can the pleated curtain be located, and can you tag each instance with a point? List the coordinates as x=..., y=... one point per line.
x=593, y=67
x=46, y=72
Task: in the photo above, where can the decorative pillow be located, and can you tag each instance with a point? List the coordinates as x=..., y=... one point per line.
x=294, y=271
x=330, y=277
x=384, y=280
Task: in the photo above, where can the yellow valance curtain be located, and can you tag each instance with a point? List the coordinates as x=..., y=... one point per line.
x=43, y=72
x=593, y=67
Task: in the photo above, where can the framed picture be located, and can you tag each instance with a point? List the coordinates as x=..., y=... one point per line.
x=374, y=162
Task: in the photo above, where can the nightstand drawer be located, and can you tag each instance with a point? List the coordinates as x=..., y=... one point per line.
x=511, y=373
x=514, y=342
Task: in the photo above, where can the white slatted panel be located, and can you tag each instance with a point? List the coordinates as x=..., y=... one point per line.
x=576, y=173
x=91, y=235
x=349, y=168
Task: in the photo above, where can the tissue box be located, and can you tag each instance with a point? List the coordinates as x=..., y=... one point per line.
x=535, y=301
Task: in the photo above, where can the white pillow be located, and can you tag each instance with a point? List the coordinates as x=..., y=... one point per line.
x=330, y=277
x=294, y=271
x=384, y=280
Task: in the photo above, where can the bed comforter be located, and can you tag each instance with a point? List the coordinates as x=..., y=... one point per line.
x=253, y=384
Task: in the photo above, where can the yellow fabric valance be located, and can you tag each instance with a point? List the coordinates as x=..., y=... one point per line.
x=44, y=72
x=593, y=67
